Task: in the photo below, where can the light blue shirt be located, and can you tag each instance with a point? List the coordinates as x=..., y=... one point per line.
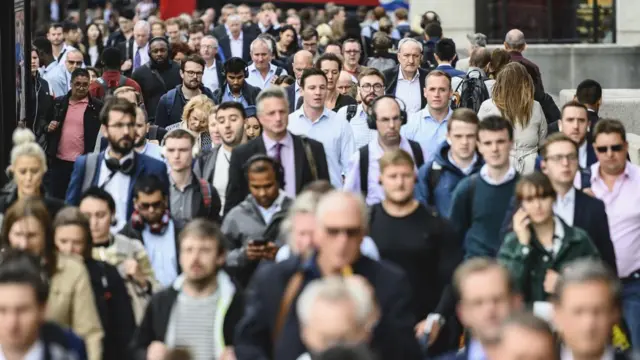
x=153, y=150
x=59, y=80
x=256, y=79
x=162, y=253
x=427, y=131
x=228, y=96
x=267, y=213
x=334, y=133
x=361, y=132
x=476, y=352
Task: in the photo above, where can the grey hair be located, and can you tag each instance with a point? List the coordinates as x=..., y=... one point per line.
x=409, y=40
x=144, y=25
x=335, y=289
x=234, y=17
x=527, y=321
x=305, y=203
x=339, y=199
x=588, y=270
x=515, y=39
x=269, y=93
x=210, y=37
x=266, y=42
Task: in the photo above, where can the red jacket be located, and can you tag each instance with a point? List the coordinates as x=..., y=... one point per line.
x=112, y=78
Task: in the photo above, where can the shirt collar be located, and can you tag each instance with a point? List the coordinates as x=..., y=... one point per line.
x=36, y=351
x=240, y=37
x=301, y=114
x=275, y=206
x=570, y=196
x=484, y=173
x=228, y=91
x=566, y=354
x=469, y=167
x=426, y=114
x=213, y=65
x=269, y=143
x=81, y=101
x=630, y=171
x=401, y=75
x=173, y=183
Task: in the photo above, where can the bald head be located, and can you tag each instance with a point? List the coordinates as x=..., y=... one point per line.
x=302, y=60
x=514, y=40
x=344, y=83
x=341, y=202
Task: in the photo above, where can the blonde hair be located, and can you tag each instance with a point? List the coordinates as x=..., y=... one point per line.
x=200, y=102
x=395, y=157
x=24, y=144
x=513, y=94
x=325, y=34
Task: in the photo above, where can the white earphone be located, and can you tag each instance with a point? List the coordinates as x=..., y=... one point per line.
x=195, y=150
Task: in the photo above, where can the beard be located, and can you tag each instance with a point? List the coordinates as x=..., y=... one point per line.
x=117, y=146
x=189, y=85
x=204, y=281
x=140, y=143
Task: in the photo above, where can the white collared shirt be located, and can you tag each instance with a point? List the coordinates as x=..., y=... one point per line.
x=566, y=354
x=118, y=187
x=221, y=175
x=565, y=207
x=236, y=45
x=210, y=77
x=582, y=155
x=362, y=135
x=409, y=91
x=256, y=79
x=36, y=352
x=484, y=173
x=144, y=54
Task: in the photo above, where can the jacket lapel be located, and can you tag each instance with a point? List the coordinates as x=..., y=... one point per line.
x=138, y=170
x=391, y=87
x=210, y=166
x=96, y=174
x=422, y=76
x=298, y=155
x=579, y=210
x=591, y=154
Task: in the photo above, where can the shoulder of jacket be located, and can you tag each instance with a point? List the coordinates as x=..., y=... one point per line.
x=70, y=265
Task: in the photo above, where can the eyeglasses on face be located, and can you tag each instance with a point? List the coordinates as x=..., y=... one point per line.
x=193, y=73
x=561, y=157
x=613, y=148
x=376, y=87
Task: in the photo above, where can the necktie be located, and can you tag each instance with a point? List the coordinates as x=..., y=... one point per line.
x=277, y=155
x=137, y=60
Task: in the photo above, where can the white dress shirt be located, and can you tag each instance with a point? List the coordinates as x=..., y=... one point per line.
x=409, y=91
x=221, y=175
x=362, y=135
x=144, y=54
x=256, y=79
x=566, y=354
x=36, y=352
x=236, y=46
x=118, y=187
x=335, y=135
x=565, y=206
x=582, y=155
x=210, y=77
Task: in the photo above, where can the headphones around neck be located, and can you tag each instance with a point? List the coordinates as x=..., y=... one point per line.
x=371, y=116
x=279, y=169
x=126, y=167
x=195, y=150
x=137, y=222
x=244, y=63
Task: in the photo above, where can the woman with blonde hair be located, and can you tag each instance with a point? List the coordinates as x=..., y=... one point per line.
x=512, y=98
x=195, y=118
x=28, y=167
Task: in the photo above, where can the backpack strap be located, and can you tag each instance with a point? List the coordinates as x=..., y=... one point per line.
x=278, y=71
x=90, y=166
x=310, y=158
x=153, y=132
x=364, y=169
x=418, y=156
x=123, y=81
x=206, y=192
x=351, y=111
x=432, y=180
x=103, y=84
x=170, y=100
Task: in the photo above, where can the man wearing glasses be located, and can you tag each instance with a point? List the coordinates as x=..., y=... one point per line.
x=616, y=181
x=172, y=103
x=73, y=129
x=117, y=168
x=59, y=78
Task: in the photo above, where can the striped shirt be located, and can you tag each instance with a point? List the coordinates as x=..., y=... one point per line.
x=193, y=321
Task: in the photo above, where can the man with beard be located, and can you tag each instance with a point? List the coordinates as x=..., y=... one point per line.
x=118, y=167
x=171, y=104
x=157, y=76
x=213, y=166
x=72, y=131
x=370, y=86
x=363, y=174
x=235, y=87
x=395, y=225
x=202, y=307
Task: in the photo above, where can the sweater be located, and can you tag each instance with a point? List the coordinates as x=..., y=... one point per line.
x=479, y=219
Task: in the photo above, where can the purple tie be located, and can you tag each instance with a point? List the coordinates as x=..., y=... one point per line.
x=277, y=156
x=137, y=60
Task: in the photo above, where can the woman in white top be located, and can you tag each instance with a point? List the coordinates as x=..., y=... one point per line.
x=93, y=45
x=512, y=98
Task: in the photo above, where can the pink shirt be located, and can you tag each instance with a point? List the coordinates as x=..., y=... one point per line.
x=71, y=143
x=624, y=215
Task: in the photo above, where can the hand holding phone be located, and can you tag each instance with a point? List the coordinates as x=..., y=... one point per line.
x=521, y=224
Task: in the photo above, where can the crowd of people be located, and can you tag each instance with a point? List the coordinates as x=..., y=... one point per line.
x=314, y=185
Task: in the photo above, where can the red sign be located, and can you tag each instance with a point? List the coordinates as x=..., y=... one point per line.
x=173, y=8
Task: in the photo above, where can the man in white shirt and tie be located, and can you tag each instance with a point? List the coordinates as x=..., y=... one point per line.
x=208, y=51
x=262, y=72
x=140, y=51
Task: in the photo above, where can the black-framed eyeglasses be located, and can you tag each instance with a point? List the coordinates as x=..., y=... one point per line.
x=613, y=148
x=368, y=87
x=194, y=73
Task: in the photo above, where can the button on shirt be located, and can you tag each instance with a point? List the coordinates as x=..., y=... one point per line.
x=362, y=135
x=375, y=193
x=236, y=45
x=161, y=249
x=410, y=91
x=256, y=79
x=210, y=77
x=228, y=96
x=565, y=206
x=287, y=159
x=182, y=200
x=118, y=187
x=623, y=212
x=427, y=131
x=335, y=135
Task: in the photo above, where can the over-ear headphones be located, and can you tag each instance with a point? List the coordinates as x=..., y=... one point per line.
x=179, y=134
x=126, y=167
x=233, y=60
x=137, y=222
x=273, y=162
x=163, y=39
x=371, y=116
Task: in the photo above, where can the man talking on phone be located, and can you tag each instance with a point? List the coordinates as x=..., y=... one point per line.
x=248, y=225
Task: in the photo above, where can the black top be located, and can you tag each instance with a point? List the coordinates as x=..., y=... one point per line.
x=426, y=247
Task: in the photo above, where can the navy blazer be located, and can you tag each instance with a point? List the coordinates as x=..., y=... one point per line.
x=144, y=165
x=393, y=337
x=391, y=78
x=291, y=96
x=589, y=215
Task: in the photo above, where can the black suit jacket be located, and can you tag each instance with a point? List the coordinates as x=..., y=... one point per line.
x=126, y=53
x=225, y=44
x=238, y=188
x=593, y=118
x=589, y=215
x=219, y=32
x=393, y=337
x=391, y=77
x=291, y=96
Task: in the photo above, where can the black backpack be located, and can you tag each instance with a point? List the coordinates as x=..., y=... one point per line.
x=473, y=92
x=351, y=111
x=108, y=90
x=364, y=164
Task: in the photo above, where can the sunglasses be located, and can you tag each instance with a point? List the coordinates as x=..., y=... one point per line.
x=147, y=206
x=349, y=232
x=614, y=148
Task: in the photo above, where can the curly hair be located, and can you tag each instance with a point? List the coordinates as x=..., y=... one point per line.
x=180, y=47
x=200, y=102
x=513, y=94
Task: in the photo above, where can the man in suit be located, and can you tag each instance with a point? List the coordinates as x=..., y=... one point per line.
x=267, y=330
x=560, y=164
x=222, y=29
x=125, y=31
x=135, y=51
x=302, y=60
x=589, y=93
x=482, y=281
x=407, y=80
x=213, y=76
x=117, y=168
x=302, y=160
x=237, y=42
